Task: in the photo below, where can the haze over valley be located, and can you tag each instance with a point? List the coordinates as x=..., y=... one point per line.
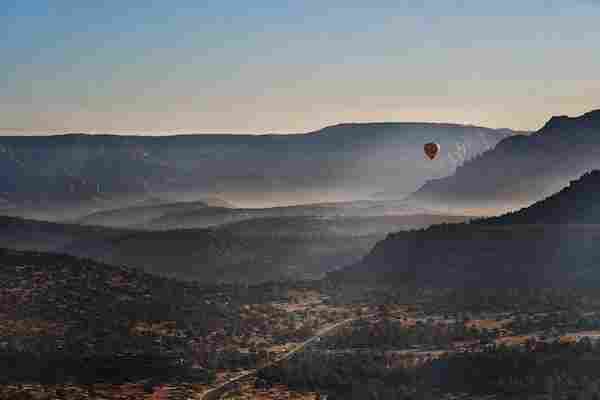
x=155, y=231
x=310, y=200
x=57, y=177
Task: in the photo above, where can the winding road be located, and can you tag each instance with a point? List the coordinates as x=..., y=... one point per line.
x=218, y=391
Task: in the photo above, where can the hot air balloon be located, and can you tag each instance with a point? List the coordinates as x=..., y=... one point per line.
x=160, y=393
x=431, y=150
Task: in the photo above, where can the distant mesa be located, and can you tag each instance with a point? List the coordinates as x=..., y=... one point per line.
x=74, y=175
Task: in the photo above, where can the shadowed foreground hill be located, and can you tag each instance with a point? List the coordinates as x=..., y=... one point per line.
x=551, y=243
x=522, y=169
x=74, y=320
x=64, y=289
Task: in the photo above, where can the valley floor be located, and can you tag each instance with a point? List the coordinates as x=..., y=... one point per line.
x=76, y=329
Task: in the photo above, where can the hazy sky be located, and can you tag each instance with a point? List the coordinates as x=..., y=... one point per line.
x=272, y=66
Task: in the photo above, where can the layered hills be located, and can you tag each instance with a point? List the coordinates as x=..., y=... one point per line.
x=258, y=249
x=200, y=214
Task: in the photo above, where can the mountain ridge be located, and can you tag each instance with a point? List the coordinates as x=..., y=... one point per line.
x=67, y=132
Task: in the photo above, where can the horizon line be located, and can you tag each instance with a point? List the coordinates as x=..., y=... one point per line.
x=190, y=132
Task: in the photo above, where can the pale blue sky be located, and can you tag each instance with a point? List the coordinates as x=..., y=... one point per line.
x=267, y=66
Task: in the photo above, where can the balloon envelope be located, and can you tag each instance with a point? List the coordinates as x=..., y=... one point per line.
x=431, y=150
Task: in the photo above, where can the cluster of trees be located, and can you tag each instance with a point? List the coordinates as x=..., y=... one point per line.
x=99, y=306
x=452, y=301
x=57, y=368
x=559, y=321
x=489, y=299
x=393, y=334
x=102, y=307
x=551, y=372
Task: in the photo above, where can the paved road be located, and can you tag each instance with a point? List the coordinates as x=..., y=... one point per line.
x=217, y=392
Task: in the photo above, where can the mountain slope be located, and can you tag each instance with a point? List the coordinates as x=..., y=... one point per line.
x=521, y=169
x=342, y=161
x=550, y=243
x=578, y=203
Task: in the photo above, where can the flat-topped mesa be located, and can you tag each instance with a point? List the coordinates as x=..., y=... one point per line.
x=64, y=175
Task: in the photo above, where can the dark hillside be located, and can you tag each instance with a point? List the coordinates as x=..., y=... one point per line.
x=551, y=243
